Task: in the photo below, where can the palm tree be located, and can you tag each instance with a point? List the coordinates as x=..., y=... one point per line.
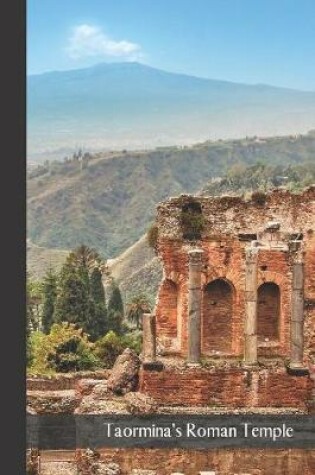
x=138, y=305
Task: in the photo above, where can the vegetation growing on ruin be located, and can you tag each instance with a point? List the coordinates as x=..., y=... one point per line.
x=191, y=219
x=152, y=236
x=192, y=224
x=259, y=197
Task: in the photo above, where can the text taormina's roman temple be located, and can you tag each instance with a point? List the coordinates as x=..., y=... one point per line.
x=234, y=323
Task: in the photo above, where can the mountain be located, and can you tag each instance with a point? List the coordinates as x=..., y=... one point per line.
x=137, y=270
x=109, y=200
x=130, y=105
x=40, y=259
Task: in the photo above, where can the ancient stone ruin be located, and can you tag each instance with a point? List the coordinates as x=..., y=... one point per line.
x=234, y=323
x=233, y=332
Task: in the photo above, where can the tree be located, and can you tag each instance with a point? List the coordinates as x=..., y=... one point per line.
x=96, y=286
x=28, y=332
x=73, y=301
x=98, y=318
x=115, y=301
x=138, y=305
x=85, y=257
x=115, y=313
x=33, y=303
x=81, y=297
x=49, y=300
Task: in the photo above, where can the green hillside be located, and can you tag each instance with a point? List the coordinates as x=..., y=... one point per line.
x=39, y=259
x=107, y=201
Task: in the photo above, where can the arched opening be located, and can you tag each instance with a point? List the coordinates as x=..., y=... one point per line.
x=168, y=298
x=217, y=317
x=268, y=312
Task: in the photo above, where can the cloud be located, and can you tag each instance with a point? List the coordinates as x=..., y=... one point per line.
x=89, y=41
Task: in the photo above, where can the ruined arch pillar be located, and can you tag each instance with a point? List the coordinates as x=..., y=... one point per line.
x=297, y=315
x=194, y=305
x=250, y=350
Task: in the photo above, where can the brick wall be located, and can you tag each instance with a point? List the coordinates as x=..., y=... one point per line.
x=230, y=223
x=268, y=311
x=168, y=315
x=217, y=317
x=221, y=461
x=230, y=387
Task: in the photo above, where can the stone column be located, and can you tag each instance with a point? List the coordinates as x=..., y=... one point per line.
x=149, y=337
x=194, y=306
x=250, y=350
x=297, y=316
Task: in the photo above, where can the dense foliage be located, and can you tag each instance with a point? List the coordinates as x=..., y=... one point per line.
x=111, y=345
x=67, y=312
x=65, y=348
x=152, y=236
x=115, y=309
x=49, y=292
x=80, y=294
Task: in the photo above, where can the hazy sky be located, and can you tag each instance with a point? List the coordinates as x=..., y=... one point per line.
x=250, y=41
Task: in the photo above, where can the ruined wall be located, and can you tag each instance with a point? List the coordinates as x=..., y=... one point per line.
x=221, y=461
x=227, y=387
x=230, y=226
x=268, y=239
x=62, y=382
x=188, y=462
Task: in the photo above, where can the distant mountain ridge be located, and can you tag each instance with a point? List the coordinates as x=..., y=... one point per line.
x=131, y=105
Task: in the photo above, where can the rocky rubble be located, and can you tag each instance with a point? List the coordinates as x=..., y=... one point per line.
x=89, y=463
x=138, y=403
x=124, y=375
x=52, y=402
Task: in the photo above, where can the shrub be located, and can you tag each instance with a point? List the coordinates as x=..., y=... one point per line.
x=191, y=218
x=133, y=340
x=152, y=236
x=108, y=348
x=192, y=224
x=66, y=348
x=72, y=355
x=259, y=197
x=112, y=345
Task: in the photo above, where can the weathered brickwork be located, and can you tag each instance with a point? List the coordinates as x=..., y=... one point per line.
x=169, y=294
x=220, y=461
x=268, y=312
x=62, y=382
x=230, y=387
x=170, y=461
x=257, y=299
x=217, y=321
